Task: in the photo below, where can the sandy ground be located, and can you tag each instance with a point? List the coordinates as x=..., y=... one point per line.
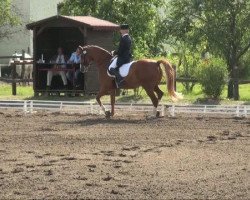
x=52, y=155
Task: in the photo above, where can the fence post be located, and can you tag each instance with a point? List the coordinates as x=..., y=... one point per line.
x=237, y=111
x=245, y=111
x=61, y=106
x=25, y=107
x=31, y=106
x=163, y=110
x=91, y=108
x=131, y=107
x=205, y=109
x=13, y=78
x=173, y=111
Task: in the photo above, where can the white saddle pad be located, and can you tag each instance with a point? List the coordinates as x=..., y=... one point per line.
x=124, y=69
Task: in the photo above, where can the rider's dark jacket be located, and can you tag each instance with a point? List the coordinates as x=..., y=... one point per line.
x=124, y=50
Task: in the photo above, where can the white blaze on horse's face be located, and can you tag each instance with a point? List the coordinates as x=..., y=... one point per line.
x=84, y=53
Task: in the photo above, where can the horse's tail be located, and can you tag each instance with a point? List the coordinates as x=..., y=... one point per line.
x=170, y=75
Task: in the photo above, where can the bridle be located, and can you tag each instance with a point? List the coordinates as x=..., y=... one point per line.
x=84, y=66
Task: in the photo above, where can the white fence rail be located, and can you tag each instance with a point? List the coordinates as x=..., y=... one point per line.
x=236, y=110
x=30, y=106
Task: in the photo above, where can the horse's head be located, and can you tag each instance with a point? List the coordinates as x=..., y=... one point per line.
x=86, y=59
x=92, y=53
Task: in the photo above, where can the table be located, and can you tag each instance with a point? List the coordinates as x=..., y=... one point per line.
x=50, y=67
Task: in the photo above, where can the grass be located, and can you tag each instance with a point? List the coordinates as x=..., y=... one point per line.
x=23, y=92
x=26, y=92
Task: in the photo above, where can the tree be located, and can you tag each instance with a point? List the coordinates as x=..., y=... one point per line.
x=188, y=65
x=223, y=26
x=142, y=16
x=8, y=18
x=245, y=66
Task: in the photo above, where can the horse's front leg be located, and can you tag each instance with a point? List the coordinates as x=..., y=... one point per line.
x=112, y=100
x=98, y=99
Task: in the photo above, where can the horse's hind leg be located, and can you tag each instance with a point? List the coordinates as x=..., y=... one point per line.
x=112, y=99
x=154, y=100
x=158, y=92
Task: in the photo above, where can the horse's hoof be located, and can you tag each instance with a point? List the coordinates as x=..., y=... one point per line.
x=158, y=114
x=107, y=114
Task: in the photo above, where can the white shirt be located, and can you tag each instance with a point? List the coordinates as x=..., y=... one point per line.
x=60, y=60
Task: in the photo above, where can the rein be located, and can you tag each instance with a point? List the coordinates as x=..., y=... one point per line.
x=85, y=63
x=84, y=67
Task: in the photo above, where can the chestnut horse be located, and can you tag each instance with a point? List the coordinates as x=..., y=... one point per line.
x=145, y=73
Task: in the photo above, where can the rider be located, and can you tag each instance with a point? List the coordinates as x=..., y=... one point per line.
x=123, y=54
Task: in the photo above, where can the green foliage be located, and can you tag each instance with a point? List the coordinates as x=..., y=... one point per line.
x=8, y=18
x=245, y=66
x=212, y=76
x=187, y=65
x=142, y=16
x=222, y=25
x=22, y=91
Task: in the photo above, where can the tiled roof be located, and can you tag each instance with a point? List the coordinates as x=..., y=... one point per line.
x=95, y=23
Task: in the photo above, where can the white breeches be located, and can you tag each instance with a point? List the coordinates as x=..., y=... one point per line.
x=51, y=74
x=113, y=64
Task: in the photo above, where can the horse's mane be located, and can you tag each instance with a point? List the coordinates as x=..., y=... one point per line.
x=97, y=47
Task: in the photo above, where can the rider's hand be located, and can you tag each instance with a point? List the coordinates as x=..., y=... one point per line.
x=113, y=53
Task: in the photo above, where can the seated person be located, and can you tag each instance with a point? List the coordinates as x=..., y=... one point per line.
x=75, y=59
x=59, y=59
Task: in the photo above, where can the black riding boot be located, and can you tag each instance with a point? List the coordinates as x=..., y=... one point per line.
x=118, y=77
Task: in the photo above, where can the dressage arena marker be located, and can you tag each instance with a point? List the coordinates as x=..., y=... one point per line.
x=31, y=106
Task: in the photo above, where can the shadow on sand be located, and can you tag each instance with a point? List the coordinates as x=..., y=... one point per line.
x=101, y=120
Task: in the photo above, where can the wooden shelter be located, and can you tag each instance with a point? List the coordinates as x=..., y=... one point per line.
x=69, y=32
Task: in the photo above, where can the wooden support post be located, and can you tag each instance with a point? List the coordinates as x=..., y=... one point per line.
x=23, y=65
x=14, y=78
x=35, y=71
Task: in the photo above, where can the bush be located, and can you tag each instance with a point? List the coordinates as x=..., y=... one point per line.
x=213, y=76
